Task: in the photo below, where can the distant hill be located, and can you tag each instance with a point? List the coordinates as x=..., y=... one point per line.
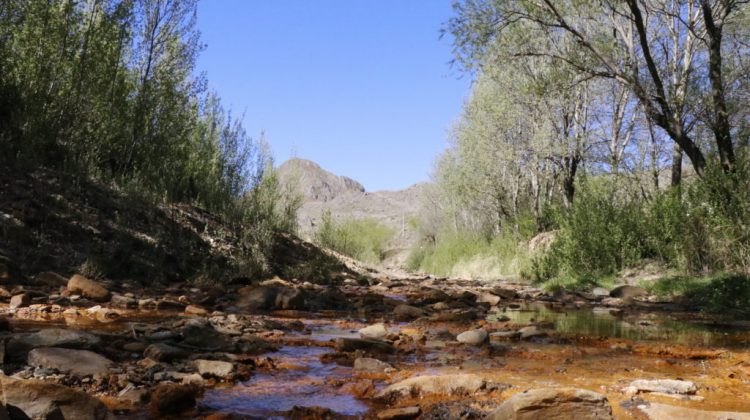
x=347, y=199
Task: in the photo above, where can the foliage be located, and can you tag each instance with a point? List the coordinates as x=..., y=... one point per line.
x=724, y=293
x=363, y=239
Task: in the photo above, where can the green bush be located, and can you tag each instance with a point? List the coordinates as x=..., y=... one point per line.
x=726, y=293
x=363, y=239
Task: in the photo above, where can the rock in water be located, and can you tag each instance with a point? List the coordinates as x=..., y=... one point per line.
x=376, y=332
x=41, y=400
x=372, y=346
x=473, y=337
x=666, y=386
x=172, y=399
x=214, y=368
x=403, y=413
x=440, y=384
x=554, y=403
x=75, y=362
x=627, y=292
x=88, y=288
x=367, y=364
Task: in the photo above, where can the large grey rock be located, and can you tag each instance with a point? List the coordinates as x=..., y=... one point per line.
x=40, y=400
x=554, y=403
x=440, y=384
x=377, y=331
x=19, y=345
x=88, y=288
x=75, y=362
x=473, y=337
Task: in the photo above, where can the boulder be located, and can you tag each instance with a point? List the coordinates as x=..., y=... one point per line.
x=473, y=337
x=290, y=298
x=367, y=364
x=88, y=288
x=657, y=411
x=504, y=293
x=214, y=368
x=203, y=336
x=172, y=399
x=490, y=298
x=405, y=312
x=600, y=292
x=376, y=332
x=666, y=386
x=440, y=384
x=403, y=413
x=162, y=352
x=75, y=362
x=554, y=403
x=43, y=400
x=366, y=345
x=19, y=345
x=627, y=292
x=20, y=301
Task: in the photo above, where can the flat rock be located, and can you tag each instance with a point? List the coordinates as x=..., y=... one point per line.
x=377, y=331
x=367, y=345
x=88, y=288
x=214, y=368
x=43, y=400
x=554, y=403
x=367, y=364
x=656, y=411
x=473, y=337
x=530, y=332
x=504, y=293
x=666, y=386
x=440, y=384
x=53, y=337
x=403, y=413
x=75, y=362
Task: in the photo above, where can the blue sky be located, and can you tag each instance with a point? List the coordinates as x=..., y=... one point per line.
x=363, y=87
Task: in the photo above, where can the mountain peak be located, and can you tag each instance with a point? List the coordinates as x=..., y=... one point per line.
x=314, y=182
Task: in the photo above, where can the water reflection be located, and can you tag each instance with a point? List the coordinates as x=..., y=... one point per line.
x=638, y=327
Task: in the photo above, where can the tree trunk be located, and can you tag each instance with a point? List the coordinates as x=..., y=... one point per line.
x=676, y=165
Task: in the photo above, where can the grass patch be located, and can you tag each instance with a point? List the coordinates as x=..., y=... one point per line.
x=725, y=293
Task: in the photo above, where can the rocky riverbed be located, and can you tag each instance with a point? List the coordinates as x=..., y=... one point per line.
x=373, y=346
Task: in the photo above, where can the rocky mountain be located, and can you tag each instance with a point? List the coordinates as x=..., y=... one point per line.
x=346, y=198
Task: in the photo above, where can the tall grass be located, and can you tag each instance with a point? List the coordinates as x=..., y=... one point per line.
x=363, y=239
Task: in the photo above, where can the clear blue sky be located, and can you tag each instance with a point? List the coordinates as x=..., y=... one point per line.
x=363, y=87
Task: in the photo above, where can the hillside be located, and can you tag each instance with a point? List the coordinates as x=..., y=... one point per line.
x=346, y=198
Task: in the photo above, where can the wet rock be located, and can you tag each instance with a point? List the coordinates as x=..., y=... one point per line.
x=656, y=411
x=202, y=335
x=433, y=296
x=407, y=313
x=366, y=345
x=147, y=304
x=20, y=301
x=501, y=336
x=88, y=288
x=666, y=386
x=559, y=403
x=441, y=384
x=490, y=298
x=627, y=292
x=75, y=362
x=472, y=337
x=41, y=400
x=456, y=316
x=124, y=302
x=214, y=368
x=164, y=352
x=172, y=399
x=169, y=305
x=106, y=315
x=376, y=332
x=403, y=413
x=367, y=364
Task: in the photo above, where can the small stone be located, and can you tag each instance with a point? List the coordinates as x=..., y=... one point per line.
x=473, y=337
x=214, y=368
x=195, y=310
